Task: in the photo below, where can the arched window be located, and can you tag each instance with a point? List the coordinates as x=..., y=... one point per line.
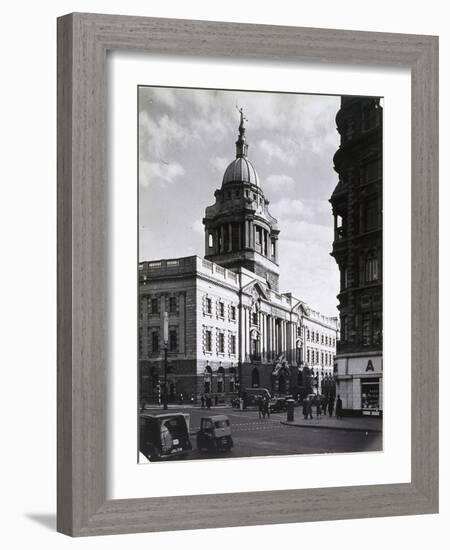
x=371, y=266
x=220, y=379
x=210, y=240
x=255, y=378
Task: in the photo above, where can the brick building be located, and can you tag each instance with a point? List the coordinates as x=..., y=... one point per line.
x=357, y=249
x=229, y=326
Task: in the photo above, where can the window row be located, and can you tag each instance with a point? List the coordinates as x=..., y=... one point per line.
x=319, y=338
x=316, y=357
x=153, y=305
x=368, y=326
x=155, y=343
x=221, y=344
x=220, y=308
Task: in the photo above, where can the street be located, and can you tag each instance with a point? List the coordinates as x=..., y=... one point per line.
x=268, y=437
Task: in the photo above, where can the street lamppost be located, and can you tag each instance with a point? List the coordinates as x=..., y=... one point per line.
x=166, y=343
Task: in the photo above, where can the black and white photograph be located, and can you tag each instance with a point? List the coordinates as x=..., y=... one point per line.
x=260, y=288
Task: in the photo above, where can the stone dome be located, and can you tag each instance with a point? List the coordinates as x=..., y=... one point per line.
x=241, y=170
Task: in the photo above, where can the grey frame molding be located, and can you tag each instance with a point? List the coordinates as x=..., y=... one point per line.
x=83, y=41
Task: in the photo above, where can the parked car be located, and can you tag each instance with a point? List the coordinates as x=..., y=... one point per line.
x=252, y=396
x=164, y=436
x=278, y=404
x=214, y=434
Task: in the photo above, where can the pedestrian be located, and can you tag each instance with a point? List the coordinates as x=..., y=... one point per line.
x=208, y=401
x=305, y=408
x=309, y=408
x=338, y=407
x=266, y=407
x=180, y=397
x=324, y=405
x=318, y=406
x=216, y=400
x=261, y=409
x=202, y=401
x=330, y=406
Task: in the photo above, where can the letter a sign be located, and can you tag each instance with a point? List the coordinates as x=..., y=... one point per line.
x=369, y=366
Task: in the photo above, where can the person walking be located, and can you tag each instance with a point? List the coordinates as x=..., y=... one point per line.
x=305, y=408
x=261, y=409
x=331, y=405
x=318, y=406
x=338, y=407
x=266, y=407
x=309, y=408
x=202, y=401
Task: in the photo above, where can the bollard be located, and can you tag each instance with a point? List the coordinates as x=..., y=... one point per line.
x=290, y=410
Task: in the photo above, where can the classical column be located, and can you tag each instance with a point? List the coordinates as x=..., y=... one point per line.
x=206, y=241
x=222, y=239
x=252, y=234
x=230, y=237
x=239, y=236
x=262, y=339
x=247, y=333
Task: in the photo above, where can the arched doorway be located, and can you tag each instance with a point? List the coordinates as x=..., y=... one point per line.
x=283, y=381
x=232, y=379
x=207, y=379
x=220, y=379
x=255, y=378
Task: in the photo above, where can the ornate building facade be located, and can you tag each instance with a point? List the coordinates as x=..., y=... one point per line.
x=358, y=251
x=229, y=327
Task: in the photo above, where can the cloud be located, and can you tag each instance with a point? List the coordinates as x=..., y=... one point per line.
x=159, y=137
x=277, y=181
x=219, y=164
x=157, y=173
x=274, y=150
x=287, y=208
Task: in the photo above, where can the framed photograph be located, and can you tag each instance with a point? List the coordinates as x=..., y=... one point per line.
x=247, y=274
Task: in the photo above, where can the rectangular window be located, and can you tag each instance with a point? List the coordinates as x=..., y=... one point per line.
x=221, y=309
x=366, y=329
x=233, y=344
x=307, y=355
x=154, y=306
x=208, y=341
x=221, y=342
x=233, y=313
x=371, y=214
x=155, y=341
x=172, y=304
x=376, y=328
x=172, y=340
x=208, y=304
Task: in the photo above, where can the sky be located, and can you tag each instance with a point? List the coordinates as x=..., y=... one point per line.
x=187, y=139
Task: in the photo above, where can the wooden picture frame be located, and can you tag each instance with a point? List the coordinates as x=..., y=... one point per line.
x=83, y=41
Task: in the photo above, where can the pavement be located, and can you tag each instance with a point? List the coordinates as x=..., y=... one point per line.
x=360, y=424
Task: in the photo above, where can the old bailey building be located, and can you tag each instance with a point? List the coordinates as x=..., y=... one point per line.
x=228, y=326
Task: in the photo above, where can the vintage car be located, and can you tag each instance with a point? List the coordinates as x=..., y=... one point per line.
x=278, y=404
x=214, y=434
x=164, y=436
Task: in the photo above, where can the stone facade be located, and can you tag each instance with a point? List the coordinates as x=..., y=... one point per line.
x=357, y=249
